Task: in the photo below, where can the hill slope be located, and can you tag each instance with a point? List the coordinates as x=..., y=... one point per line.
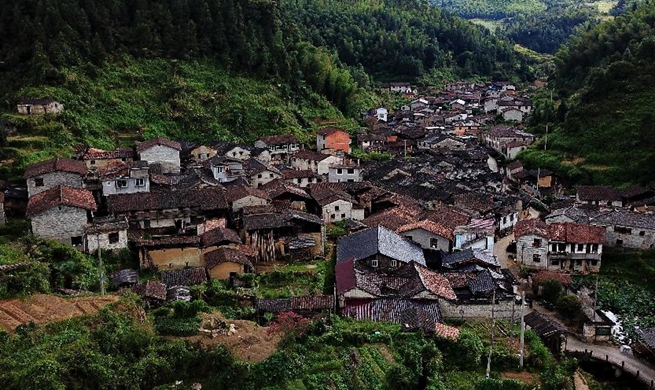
x=606, y=80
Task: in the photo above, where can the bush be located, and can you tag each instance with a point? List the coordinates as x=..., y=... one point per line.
x=171, y=326
x=551, y=290
x=569, y=307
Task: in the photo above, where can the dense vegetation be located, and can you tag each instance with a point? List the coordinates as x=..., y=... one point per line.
x=605, y=79
x=404, y=39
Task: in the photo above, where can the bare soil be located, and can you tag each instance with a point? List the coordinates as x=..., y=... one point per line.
x=523, y=376
x=251, y=343
x=42, y=309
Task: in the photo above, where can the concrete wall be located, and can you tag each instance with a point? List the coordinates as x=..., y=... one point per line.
x=176, y=258
x=60, y=223
x=422, y=238
x=248, y=201
x=54, y=179
x=168, y=157
x=526, y=250
x=339, y=175
x=262, y=178
x=502, y=310
x=331, y=214
x=110, y=187
x=92, y=240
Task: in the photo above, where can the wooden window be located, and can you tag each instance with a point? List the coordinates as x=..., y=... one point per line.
x=536, y=258
x=140, y=182
x=38, y=182
x=536, y=243
x=113, y=238
x=122, y=183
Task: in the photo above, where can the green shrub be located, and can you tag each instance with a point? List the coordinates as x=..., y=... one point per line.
x=172, y=326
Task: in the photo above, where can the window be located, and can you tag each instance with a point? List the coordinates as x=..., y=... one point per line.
x=259, y=176
x=220, y=169
x=504, y=219
x=76, y=241
x=93, y=162
x=594, y=262
x=146, y=224
x=140, y=182
x=603, y=331
x=271, y=175
x=536, y=243
x=622, y=230
x=434, y=243
x=553, y=247
x=374, y=263
x=332, y=216
x=343, y=215
x=38, y=182
x=351, y=171
x=394, y=263
x=561, y=247
x=122, y=183
x=580, y=248
x=336, y=208
x=619, y=242
x=113, y=238
x=554, y=262
x=593, y=248
x=536, y=259
x=642, y=233
x=339, y=171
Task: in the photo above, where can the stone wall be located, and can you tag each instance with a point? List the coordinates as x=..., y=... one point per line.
x=60, y=223
x=331, y=214
x=633, y=240
x=502, y=310
x=248, y=201
x=422, y=238
x=168, y=157
x=54, y=179
x=527, y=249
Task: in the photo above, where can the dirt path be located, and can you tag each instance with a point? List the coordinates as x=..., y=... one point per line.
x=42, y=309
x=579, y=382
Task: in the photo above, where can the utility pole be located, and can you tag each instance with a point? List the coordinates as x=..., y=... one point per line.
x=522, y=336
x=493, y=325
x=102, y=273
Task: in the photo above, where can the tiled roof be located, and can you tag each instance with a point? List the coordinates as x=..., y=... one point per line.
x=277, y=188
x=279, y=139
x=467, y=256
x=475, y=201
x=436, y=283
x=184, y=277
x=310, y=155
x=151, y=289
x=597, y=193
x=226, y=255
x=212, y=198
x=252, y=166
x=542, y=325
x=392, y=218
x=141, y=146
x=273, y=305
x=240, y=191
x=429, y=226
x=647, y=336
x=220, y=236
x=298, y=174
x=530, y=226
x=60, y=195
x=375, y=240
x=280, y=219
x=326, y=194
x=408, y=313
x=56, y=164
x=125, y=276
x=312, y=302
x=626, y=219
x=89, y=153
x=482, y=283
x=577, y=233
x=543, y=275
x=168, y=241
x=445, y=331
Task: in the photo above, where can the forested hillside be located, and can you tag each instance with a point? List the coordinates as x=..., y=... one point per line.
x=605, y=126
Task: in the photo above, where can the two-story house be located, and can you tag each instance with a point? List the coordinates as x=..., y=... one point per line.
x=341, y=173
x=317, y=162
x=225, y=169
x=331, y=139
x=51, y=173
x=280, y=146
x=126, y=179
x=259, y=173
x=161, y=151
x=61, y=213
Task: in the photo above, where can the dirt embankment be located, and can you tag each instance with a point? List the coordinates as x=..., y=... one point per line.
x=42, y=309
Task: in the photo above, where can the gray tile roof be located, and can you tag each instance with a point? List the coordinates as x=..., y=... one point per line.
x=381, y=240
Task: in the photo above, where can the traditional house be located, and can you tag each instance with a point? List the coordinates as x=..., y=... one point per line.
x=222, y=263
x=240, y=196
x=259, y=173
x=125, y=278
x=240, y=152
x=153, y=292
x=429, y=235
x=126, y=179
x=280, y=146
x=605, y=196
x=276, y=235
x=378, y=247
x=559, y=246
x=286, y=194
x=317, y=162
x=345, y=173
x=100, y=160
x=39, y=107
x=330, y=139
x=161, y=151
x=55, y=172
x=477, y=234
x=61, y=213
x=400, y=87
x=202, y=153
x=169, y=211
x=225, y=169
x=184, y=277
x=498, y=137
x=107, y=234
x=371, y=141
x=334, y=204
x=627, y=229
x=300, y=178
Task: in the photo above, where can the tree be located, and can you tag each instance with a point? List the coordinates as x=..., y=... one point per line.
x=569, y=307
x=551, y=290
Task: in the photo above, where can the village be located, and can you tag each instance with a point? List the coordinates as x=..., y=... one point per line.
x=427, y=215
